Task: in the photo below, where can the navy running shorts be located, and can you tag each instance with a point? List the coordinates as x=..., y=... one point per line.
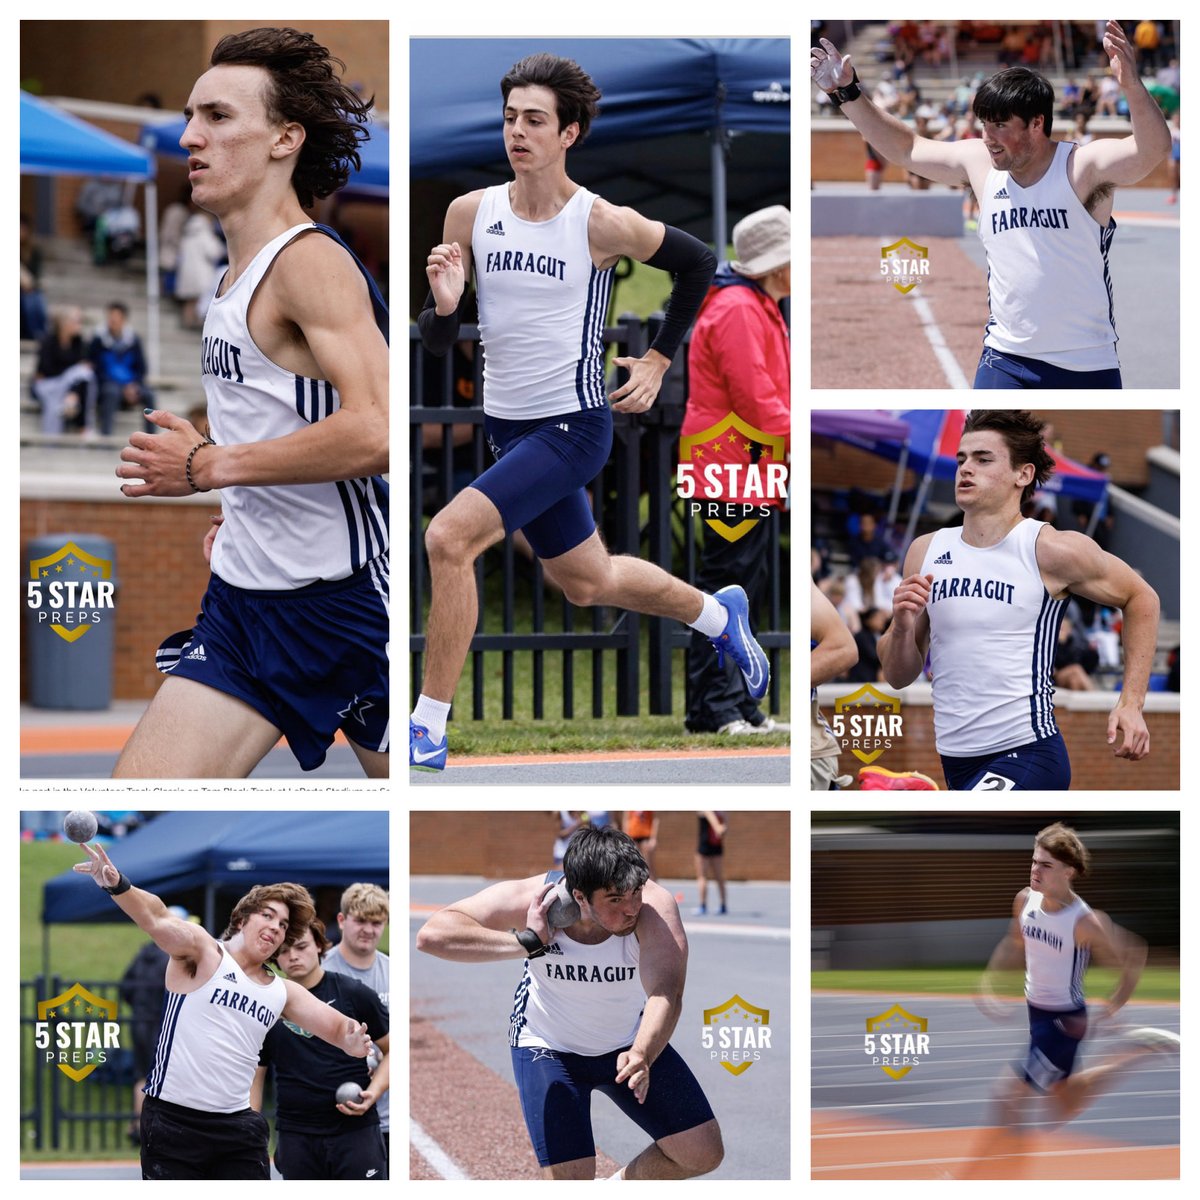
x=311, y=661
x=556, y=1097
x=542, y=468
x=998, y=371
x=1040, y=765
x=1054, y=1039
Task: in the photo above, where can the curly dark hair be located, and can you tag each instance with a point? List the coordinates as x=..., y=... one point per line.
x=576, y=96
x=305, y=89
x=1022, y=434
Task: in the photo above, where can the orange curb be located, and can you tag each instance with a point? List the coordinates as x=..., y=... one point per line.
x=88, y=739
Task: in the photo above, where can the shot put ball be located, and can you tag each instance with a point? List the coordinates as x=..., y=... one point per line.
x=349, y=1093
x=80, y=826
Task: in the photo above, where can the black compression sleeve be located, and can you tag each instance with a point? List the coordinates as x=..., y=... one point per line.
x=438, y=334
x=691, y=264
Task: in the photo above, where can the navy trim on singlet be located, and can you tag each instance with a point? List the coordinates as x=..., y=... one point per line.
x=516, y=1022
x=589, y=373
x=172, y=1004
x=1106, y=237
x=382, y=317
x=1041, y=691
x=1078, y=969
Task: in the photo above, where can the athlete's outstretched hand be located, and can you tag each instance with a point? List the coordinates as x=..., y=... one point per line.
x=356, y=1041
x=1133, y=741
x=1121, y=58
x=909, y=602
x=830, y=70
x=633, y=1068
x=103, y=873
x=645, y=378
x=446, y=276
x=160, y=459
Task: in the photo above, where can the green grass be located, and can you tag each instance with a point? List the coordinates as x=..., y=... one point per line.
x=645, y=291
x=1156, y=983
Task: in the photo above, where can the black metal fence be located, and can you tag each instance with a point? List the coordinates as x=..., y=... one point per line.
x=448, y=450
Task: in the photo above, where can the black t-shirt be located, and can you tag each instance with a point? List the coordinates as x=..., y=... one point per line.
x=309, y=1070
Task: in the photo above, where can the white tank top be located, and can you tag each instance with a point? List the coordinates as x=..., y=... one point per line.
x=208, y=1049
x=993, y=630
x=285, y=536
x=1054, y=965
x=1049, y=290
x=580, y=999
x=542, y=304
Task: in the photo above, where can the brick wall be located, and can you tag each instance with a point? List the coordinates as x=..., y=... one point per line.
x=514, y=845
x=160, y=570
x=1092, y=764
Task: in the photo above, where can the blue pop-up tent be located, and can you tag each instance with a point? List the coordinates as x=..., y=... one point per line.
x=724, y=90
x=54, y=142
x=180, y=852
x=371, y=179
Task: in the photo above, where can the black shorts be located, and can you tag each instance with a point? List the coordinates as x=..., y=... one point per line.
x=1054, y=1039
x=185, y=1143
x=352, y=1154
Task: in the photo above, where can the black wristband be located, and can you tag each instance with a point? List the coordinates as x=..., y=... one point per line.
x=120, y=887
x=692, y=265
x=530, y=943
x=842, y=95
x=438, y=333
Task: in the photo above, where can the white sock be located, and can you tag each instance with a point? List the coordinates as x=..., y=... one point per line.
x=432, y=714
x=713, y=617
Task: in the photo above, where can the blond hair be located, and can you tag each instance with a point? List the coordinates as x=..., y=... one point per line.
x=367, y=901
x=1064, y=844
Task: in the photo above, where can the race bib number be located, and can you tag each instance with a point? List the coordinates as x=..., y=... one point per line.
x=991, y=782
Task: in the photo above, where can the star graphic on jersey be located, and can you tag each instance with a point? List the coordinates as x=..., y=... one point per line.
x=356, y=708
x=541, y=1052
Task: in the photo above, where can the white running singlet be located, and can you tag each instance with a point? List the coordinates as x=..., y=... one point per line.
x=208, y=1049
x=1049, y=289
x=284, y=536
x=993, y=630
x=580, y=999
x=1054, y=965
x=542, y=304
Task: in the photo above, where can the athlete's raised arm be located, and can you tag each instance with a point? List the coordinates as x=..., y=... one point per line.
x=663, y=962
x=315, y=288
x=1112, y=946
x=1127, y=160
x=1071, y=562
x=903, y=647
x=615, y=232
x=448, y=269
x=479, y=928
x=836, y=650
x=943, y=162
x=180, y=939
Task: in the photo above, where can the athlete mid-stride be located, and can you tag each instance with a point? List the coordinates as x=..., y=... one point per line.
x=985, y=602
x=543, y=250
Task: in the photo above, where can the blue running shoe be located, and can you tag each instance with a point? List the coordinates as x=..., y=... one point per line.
x=738, y=642
x=424, y=754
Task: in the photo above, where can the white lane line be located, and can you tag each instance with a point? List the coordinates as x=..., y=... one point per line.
x=433, y=1154
x=894, y=1105
x=910, y=1130
x=946, y=360
x=933, y=1162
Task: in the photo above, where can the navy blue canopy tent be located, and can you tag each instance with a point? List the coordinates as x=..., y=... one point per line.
x=181, y=852
x=690, y=129
x=371, y=179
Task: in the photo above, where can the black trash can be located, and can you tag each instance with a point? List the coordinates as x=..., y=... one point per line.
x=70, y=659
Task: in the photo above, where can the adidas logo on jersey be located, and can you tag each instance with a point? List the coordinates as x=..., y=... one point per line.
x=1002, y=194
x=944, y=561
x=232, y=977
x=497, y=229
x=197, y=654
x=565, y=428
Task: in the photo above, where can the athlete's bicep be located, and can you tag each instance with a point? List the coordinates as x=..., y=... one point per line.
x=663, y=945
x=942, y=162
x=1072, y=562
x=460, y=225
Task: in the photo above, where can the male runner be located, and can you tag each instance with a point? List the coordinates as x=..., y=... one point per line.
x=1056, y=933
x=985, y=601
x=543, y=251
x=594, y=1009
x=292, y=636
x=833, y=652
x=319, y=1139
x=221, y=1000
x=1045, y=215
x=362, y=917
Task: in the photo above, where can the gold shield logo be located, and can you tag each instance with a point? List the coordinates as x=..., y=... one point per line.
x=906, y=251
x=740, y=1018
x=897, y=1021
x=77, y=1005
x=867, y=696
x=730, y=440
x=70, y=563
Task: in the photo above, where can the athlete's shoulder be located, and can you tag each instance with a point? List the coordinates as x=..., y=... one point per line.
x=312, y=261
x=1021, y=899
x=1059, y=548
x=460, y=216
x=917, y=551
x=615, y=229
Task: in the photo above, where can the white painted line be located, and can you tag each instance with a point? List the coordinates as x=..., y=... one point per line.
x=828, y=1108
x=946, y=360
x=910, y=1130
x=933, y=1162
x=433, y=1154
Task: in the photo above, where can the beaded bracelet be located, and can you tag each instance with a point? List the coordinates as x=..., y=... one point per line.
x=187, y=470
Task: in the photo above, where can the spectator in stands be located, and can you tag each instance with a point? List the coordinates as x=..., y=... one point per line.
x=33, y=304
x=200, y=251
x=1074, y=659
x=886, y=95
x=1071, y=95
x=1168, y=76
x=835, y=591
x=1146, y=38
x=1080, y=135
x=1110, y=94
x=871, y=585
x=170, y=235
x=868, y=668
x=869, y=541
x=908, y=96
x=64, y=383
x=739, y=364
x=116, y=353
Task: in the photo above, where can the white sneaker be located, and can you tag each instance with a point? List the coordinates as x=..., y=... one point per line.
x=1161, y=1040
x=769, y=725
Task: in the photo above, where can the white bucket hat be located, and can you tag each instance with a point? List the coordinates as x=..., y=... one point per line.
x=762, y=242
